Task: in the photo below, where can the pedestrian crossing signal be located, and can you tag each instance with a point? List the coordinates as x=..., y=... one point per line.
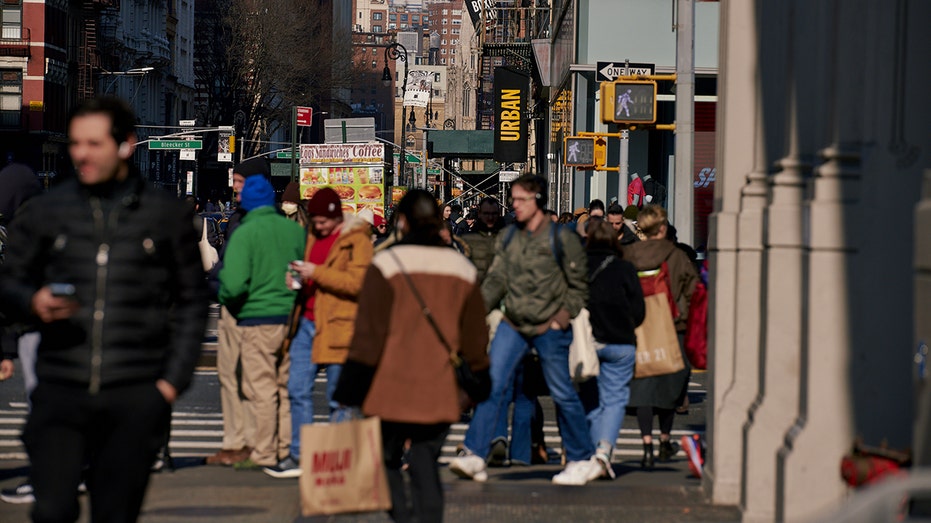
x=628, y=101
x=579, y=151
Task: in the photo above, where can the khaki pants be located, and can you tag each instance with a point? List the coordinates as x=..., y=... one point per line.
x=265, y=382
x=238, y=425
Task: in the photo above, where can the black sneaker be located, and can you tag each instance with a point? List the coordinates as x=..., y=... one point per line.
x=498, y=455
x=286, y=468
x=18, y=495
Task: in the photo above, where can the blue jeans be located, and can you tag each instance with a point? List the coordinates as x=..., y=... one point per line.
x=301, y=384
x=524, y=409
x=507, y=350
x=616, y=371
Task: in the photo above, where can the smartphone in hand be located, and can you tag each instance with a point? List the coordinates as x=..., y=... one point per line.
x=62, y=290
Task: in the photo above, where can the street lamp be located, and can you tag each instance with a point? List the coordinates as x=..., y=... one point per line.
x=139, y=71
x=392, y=53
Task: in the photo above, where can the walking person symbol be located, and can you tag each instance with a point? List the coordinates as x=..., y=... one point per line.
x=623, y=104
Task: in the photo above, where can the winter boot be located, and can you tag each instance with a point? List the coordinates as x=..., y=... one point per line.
x=647, y=461
x=667, y=449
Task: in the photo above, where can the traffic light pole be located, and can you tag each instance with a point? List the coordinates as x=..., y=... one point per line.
x=683, y=191
x=294, y=143
x=622, y=167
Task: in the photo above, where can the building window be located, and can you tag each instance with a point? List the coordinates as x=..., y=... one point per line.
x=11, y=96
x=376, y=16
x=445, y=22
x=392, y=26
x=12, y=19
x=457, y=12
x=404, y=17
x=452, y=61
x=457, y=21
x=376, y=29
x=444, y=32
x=443, y=51
x=455, y=30
x=442, y=61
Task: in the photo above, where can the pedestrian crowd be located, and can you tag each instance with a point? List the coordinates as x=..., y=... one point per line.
x=103, y=280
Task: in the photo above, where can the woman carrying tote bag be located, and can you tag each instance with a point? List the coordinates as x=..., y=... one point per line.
x=399, y=366
x=660, y=395
x=615, y=303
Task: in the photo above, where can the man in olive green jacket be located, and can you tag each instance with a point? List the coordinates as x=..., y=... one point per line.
x=541, y=275
x=253, y=289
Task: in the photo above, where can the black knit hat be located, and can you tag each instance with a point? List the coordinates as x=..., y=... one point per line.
x=253, y=166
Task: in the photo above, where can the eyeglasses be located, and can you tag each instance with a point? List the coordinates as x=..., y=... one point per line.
x=524, y=198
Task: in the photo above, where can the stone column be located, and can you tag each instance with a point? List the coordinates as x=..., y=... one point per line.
x=776, y=405
x=781, y=299
x=808, y=481
x=736, y=246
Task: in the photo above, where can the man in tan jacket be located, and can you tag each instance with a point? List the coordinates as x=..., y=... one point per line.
x=337, y=254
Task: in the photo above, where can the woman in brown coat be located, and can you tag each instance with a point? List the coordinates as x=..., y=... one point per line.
x=397, y=368
x=660, y=395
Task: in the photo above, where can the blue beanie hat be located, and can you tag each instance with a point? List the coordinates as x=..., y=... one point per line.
x=257, y=192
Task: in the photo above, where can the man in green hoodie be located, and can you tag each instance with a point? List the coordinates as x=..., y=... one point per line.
x=253, y=289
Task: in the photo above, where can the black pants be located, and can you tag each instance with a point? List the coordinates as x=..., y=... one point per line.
x=426, y=505
x=645, y=419
x=116, y=432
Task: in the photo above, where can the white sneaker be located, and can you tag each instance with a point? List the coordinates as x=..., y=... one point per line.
x=605, y=461
x=579, y=472
x=469, y=466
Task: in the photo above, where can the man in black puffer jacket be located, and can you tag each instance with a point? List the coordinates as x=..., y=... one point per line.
x=110, y=268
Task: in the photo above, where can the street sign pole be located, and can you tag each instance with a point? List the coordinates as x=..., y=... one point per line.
x=293, y=143
x=622, y=167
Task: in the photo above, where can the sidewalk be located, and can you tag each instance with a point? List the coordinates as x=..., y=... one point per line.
x=198, y=493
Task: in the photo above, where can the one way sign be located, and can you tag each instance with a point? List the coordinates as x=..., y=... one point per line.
x=610, y=71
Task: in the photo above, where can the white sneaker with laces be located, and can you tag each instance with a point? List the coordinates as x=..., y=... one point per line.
x=469, y=466
x=579, y=472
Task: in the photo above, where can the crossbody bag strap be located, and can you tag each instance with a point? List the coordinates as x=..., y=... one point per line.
x=604, y=265
x=453, y=357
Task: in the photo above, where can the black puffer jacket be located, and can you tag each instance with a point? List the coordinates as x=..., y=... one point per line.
x=130, y=251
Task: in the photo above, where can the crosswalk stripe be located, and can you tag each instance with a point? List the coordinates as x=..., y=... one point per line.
x=196, y=434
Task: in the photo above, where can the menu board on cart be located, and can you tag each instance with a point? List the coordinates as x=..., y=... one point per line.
x=354, y=171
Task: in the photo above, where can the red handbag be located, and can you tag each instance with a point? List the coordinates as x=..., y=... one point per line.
x=696, y=331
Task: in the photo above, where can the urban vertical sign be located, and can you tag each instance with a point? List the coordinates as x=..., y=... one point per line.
x=512, y=90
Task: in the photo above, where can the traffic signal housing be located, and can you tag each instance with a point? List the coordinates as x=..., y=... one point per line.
x=628, y=101
x=579, y=151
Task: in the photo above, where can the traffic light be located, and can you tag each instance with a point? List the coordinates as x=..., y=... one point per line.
x=232, y=144
x=628, y=101
x=579, y=151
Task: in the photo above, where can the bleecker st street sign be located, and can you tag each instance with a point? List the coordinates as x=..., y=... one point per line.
x=176, y=144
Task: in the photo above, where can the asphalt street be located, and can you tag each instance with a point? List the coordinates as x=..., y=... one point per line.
x=197, y=493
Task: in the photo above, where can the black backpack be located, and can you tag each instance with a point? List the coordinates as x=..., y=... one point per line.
x=652, y=187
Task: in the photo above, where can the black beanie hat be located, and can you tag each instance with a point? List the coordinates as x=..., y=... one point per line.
x=253, y=166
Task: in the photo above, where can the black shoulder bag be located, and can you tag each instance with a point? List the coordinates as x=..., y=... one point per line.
x=476, y=385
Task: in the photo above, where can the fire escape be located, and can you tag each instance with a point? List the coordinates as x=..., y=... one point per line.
x=506, y=42
x=89, y=57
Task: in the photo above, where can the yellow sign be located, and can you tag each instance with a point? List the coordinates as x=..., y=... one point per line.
x=36, y=105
